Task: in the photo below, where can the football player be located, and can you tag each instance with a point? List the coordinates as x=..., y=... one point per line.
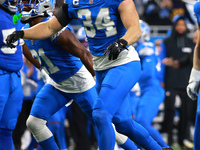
x=111, y=29
x=152, y=94
x=11, y=95
x=194, y=81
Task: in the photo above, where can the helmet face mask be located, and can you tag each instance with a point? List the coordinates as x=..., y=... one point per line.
x=31, y=9
x=10, y=5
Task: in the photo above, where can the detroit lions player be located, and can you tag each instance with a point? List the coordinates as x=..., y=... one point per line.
x=11, y=95
x=152, y=94
x=61, y=67
x=67, y=72
x=117, y=69
x=194, y=82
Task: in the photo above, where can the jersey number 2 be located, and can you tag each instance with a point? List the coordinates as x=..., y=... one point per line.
x=51, y=68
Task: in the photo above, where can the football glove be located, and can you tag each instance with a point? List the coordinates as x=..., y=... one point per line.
x=194, y=84
x=12, y=38
x=115, y=48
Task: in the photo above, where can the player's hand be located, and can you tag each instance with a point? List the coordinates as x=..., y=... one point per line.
x=115, y=48
x=12, y=38
x=197, y=12
x=194, y=84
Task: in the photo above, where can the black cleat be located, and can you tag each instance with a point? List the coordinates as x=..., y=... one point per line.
x=167, y=148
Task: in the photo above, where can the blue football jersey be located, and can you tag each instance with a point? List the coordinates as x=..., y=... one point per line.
x=10, y=58
x=101, y=21
x=57, y=62
x=149, y=61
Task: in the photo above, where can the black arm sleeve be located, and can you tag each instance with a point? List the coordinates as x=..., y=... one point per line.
x=63, y=16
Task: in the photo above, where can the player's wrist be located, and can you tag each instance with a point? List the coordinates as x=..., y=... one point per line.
x=20, y=33
x=122, y=42
x=195, y=75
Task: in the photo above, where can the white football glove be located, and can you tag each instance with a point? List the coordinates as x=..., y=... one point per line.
x=194, y=84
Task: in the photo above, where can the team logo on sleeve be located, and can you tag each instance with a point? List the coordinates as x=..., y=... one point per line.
x=75, y=3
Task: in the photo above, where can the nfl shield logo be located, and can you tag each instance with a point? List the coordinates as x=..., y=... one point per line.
x=91, y=2
x=76, y=3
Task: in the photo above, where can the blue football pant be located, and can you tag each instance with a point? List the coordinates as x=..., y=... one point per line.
x=11, y=98
x=49, y=100
x=112, y=105
x=197, y=126
x=147, y=108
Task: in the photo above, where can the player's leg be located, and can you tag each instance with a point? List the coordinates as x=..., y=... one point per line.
x=85, y=100
x=126, y=125
x=197, y=126
x=147, y=109
x=4, y=90
x=60, y=134
x=47, y=102
x=124, y=142
x=113, y=86
x=11, y=109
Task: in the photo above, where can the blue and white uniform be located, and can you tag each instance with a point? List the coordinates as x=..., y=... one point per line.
x=11, y=95
x=152, y=94
x=114, y=78
x=69, y=80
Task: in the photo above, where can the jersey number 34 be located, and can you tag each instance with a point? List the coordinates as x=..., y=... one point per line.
x=102, y=21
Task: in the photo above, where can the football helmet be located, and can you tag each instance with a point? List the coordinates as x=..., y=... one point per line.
x=81, y=36
x=35, y=8
x=145, y=29
x=7, y=4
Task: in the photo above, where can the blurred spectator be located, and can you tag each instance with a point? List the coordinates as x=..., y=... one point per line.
x=180, y=8
x=178, y=45
x=158, y=12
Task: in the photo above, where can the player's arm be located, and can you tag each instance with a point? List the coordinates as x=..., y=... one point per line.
x=196, y=58
x=46, y=29
x=29, y=56
x=69, y=42
x=42, y=30
x=130, y=19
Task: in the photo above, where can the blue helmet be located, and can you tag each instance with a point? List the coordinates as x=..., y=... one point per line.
x=145, y=31
x=81, y=36
x=7, y=4
x=39, y=8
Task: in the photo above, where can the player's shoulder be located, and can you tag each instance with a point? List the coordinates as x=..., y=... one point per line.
x=5, y=17
x=149, y=44
x=146, y=49
x=82, y=3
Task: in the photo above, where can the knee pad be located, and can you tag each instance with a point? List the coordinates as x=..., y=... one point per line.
x=38, y=128
x=101, y=117
x=120, y=138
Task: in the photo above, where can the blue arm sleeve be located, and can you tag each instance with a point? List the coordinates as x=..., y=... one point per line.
x=148, y=67
x=161, y=74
